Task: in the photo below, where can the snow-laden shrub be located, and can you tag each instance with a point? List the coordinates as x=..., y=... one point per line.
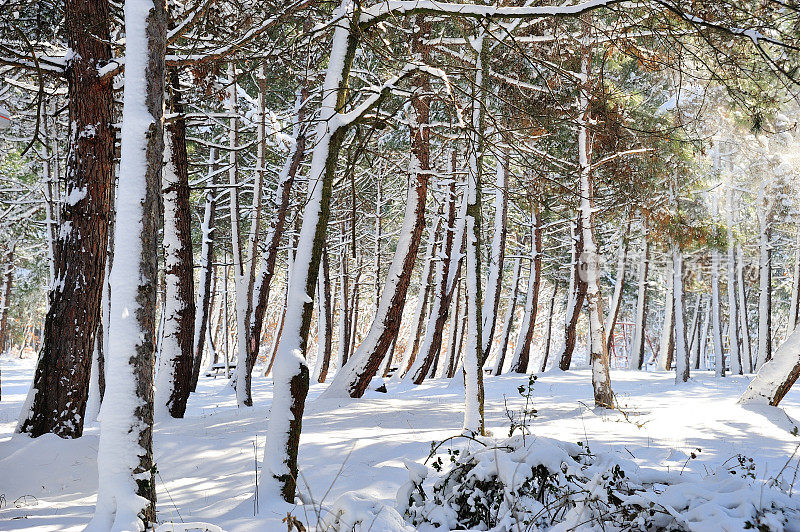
x=536, y=483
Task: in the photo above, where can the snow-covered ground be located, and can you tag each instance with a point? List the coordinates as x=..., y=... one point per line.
x=207, y=461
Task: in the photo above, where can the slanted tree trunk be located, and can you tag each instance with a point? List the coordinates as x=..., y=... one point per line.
x=56, y=402
x=456, y=332
x=356, y=376
x=173, y=381
x=522, y=349
x=450, y=260
x=575, y=298
x=291, y=378
x=777, y=376
x=283, y=193
x=204, y=293
x=126, y=490
x=640, y=326
x=509, y=318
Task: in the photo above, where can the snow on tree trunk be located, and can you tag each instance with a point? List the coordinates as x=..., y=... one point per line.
x=126, y=488
x=733, y=311
x=508, y=319
x=274, y=236
x=242, y=293
x=354, y=378
x=795, y=300
x=701, y=347
x=454, y=334
x=57, y=397
x=324, y=318
x=473, y=353
x=716, y=312
x=522, y=349
x=764, y=208
x=590, y=260
x=173, y=380
x=681, y=349
x=575, y=298
x=497, y=253
x=747, y=353
x=290, y=372
x=777, y=376
x=619, y=285
x=640, y=325
x=666, y=348
x=201, y=323
x=6, y=282
x=549, y=331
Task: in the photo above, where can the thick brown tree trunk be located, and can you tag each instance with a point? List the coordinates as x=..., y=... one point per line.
x=61, y=383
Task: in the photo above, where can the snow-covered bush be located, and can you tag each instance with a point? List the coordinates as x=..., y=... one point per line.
x=538, y=483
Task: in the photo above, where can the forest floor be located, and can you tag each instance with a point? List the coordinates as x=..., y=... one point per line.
x=206, y=461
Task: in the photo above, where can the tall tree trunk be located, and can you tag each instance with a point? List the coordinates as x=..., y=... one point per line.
x=57, y=399
x=716, y=311
x=640, y=326
x=681, y=349
x=522, y=349
x=324, y=321
x=356, y=376
x=764, y=352
x=173, y=381
x=549, y=331
x=6, y=281
x=204, y=293
x=344, y=305
x=126, y=490
x=498, y=252
x=291, y=378
x=733, y=311
x=794, y=301
x=508, y=320
x=619, y=286
x=473, y=353
x=667, y=347
x=747, y=353
x=590, y=263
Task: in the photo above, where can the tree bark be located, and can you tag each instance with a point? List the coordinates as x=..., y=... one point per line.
x=125, y=455
x=57, y=400
x=173, y=382
x=508, y=320
x=576, y=296
x=640, y=327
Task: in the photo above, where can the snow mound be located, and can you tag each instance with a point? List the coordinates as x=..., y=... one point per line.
x=354, y=512
x=543, y=484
